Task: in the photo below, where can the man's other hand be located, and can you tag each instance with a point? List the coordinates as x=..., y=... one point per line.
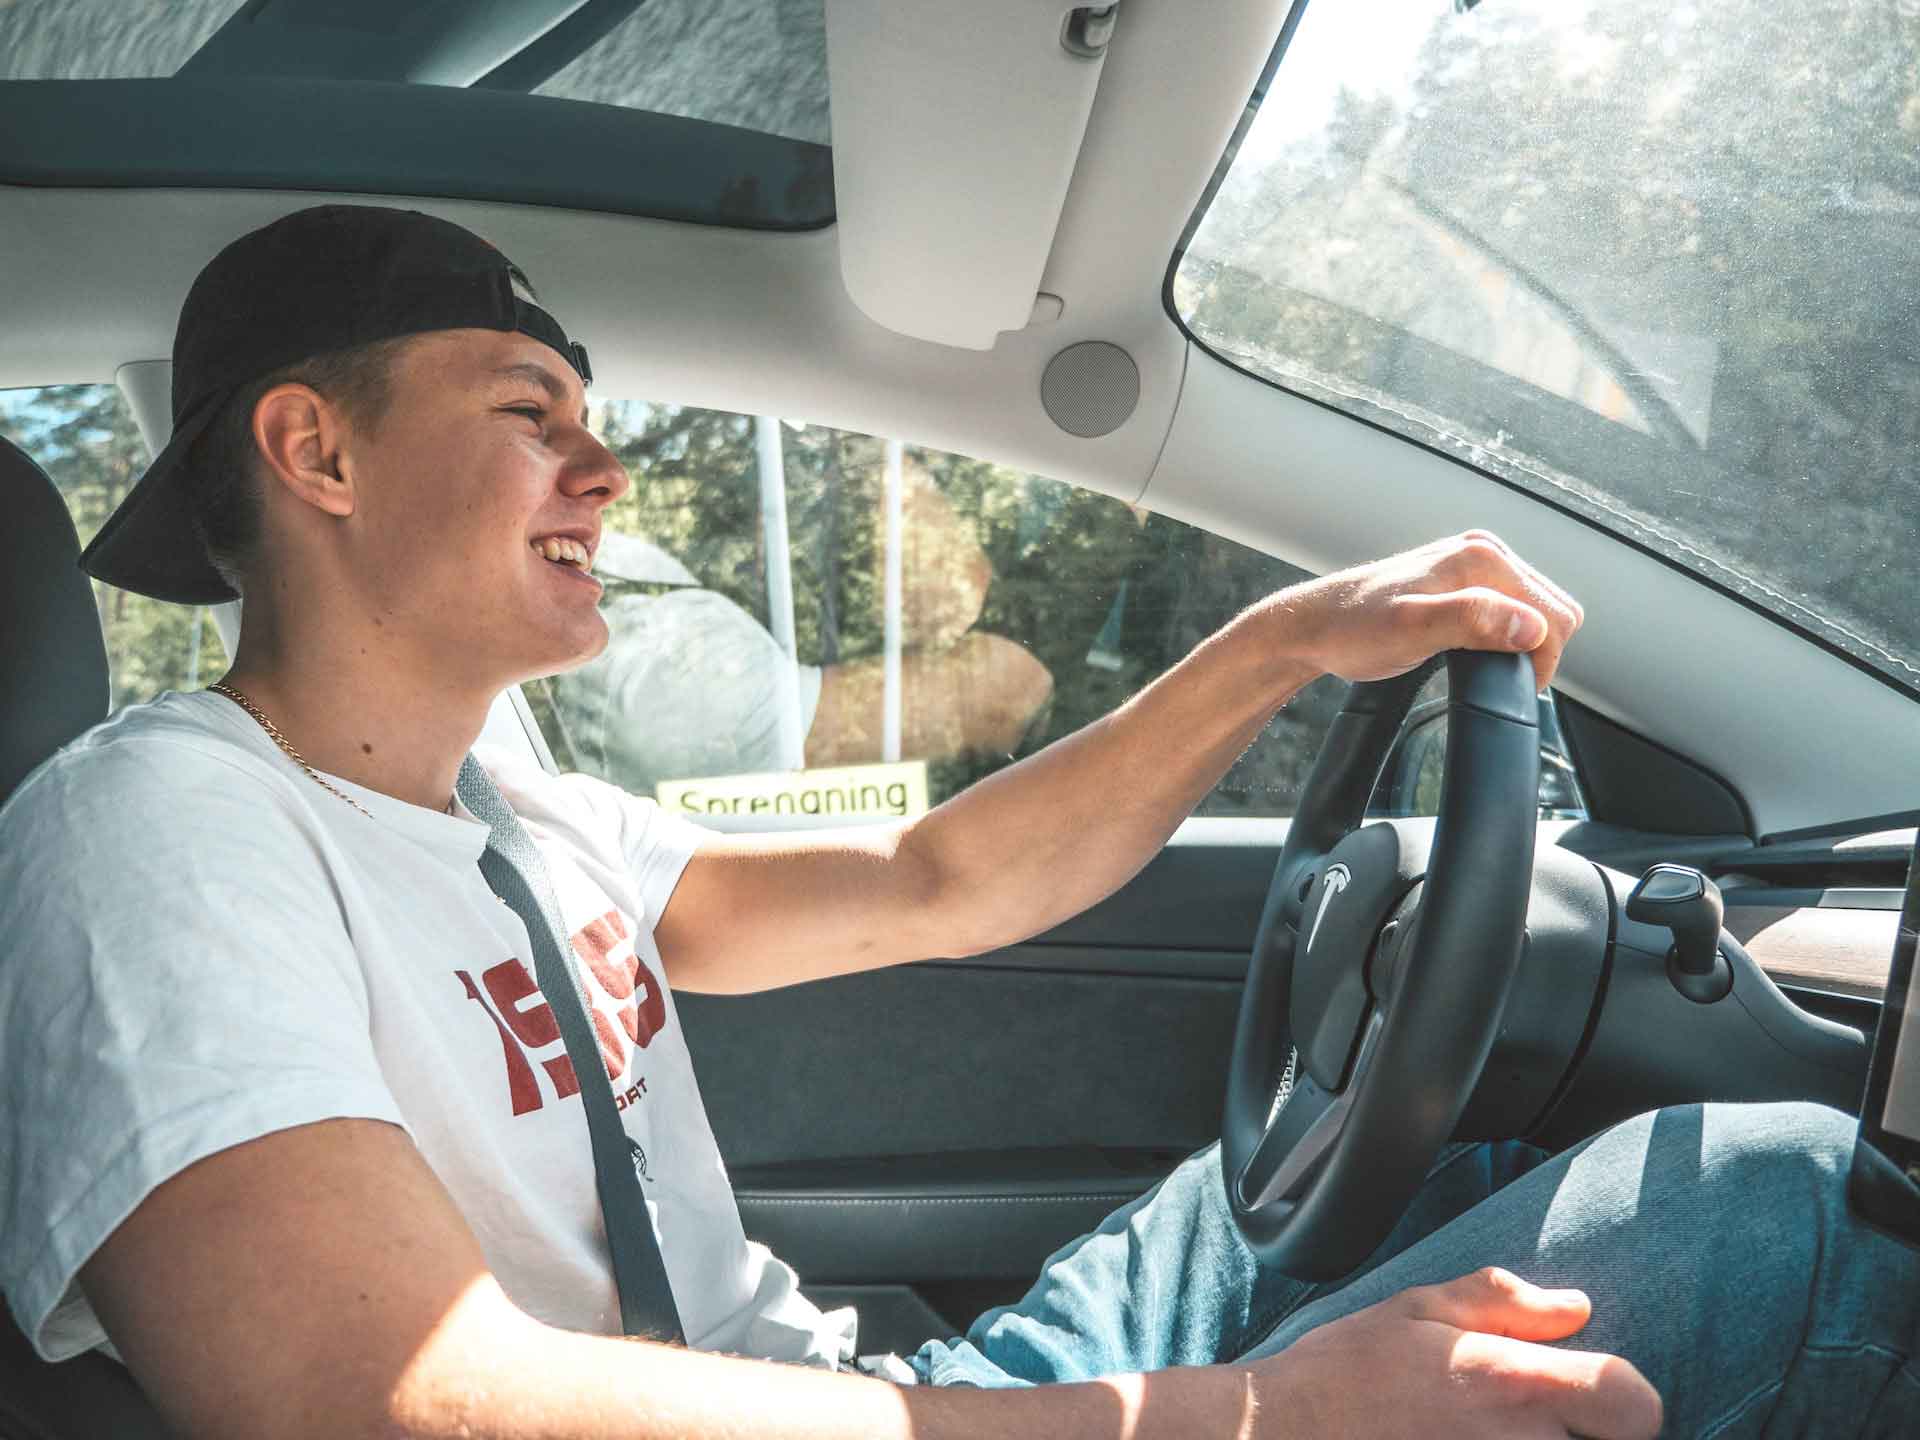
x=1467, y=1359
x=1467, y=592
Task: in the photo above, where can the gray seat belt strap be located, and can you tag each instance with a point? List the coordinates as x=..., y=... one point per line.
x=515, y=872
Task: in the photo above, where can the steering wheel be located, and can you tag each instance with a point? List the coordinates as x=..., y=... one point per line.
x=1380, y=971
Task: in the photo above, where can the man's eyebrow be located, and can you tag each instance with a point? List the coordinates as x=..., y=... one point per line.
x=540, y=375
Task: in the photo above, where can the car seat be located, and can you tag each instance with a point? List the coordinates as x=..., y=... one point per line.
x=53, y=675
x=53, y=661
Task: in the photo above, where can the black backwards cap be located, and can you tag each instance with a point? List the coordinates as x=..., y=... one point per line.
x=330, y=278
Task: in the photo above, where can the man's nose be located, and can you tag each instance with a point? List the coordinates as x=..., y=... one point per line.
x=594, y=469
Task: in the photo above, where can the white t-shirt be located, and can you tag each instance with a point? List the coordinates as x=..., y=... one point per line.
x=203, y=946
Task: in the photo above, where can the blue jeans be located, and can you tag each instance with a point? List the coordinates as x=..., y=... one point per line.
x=1715, y=1242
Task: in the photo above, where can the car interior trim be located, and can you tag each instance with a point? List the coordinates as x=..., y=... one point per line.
x=1227, y=965
x=1844, y=950
x=948, y=207
x=858, y=1236
x=432, y=42
x=1633, y=781
x=1847, y=829
x=1229, y=152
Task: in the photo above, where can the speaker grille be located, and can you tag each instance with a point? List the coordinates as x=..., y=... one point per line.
x=1091, y=388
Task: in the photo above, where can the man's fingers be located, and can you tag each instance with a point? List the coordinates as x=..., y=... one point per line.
x=1605, y=1397
x=1597, y=1397
x=1479, y=618
x=1467, y=591
x=1535, y=578
x=1498, y=1302
x=1466, y=1358
x=1482, y=560
x=1509, y=1320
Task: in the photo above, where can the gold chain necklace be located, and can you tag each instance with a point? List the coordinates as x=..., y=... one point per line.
x=273, y=732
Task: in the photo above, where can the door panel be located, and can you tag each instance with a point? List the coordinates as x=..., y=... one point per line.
x=867, y=1225
x=928, y=1060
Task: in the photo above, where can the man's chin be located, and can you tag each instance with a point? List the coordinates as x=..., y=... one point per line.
x=591, y=646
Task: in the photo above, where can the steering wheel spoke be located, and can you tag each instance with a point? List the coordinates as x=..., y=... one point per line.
x=1302, y=1133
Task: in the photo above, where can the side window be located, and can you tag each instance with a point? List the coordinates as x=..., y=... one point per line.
x=810, y=625
x=84, y=437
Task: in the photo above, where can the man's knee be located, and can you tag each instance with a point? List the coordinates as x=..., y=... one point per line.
x=1786, y=1162
x=1724, y=1200
x=1794, y=1134
x=1788, y=1159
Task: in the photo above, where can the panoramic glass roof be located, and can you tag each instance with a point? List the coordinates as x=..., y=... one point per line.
x=713, y=111
x=1650, y=261
x=749, y=63
x=104, y=39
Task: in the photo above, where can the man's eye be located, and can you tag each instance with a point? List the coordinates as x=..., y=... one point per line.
x=533, y=412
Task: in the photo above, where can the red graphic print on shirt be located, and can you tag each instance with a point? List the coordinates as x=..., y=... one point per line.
x=507, y=984
x=512, y=999
x=608, y=950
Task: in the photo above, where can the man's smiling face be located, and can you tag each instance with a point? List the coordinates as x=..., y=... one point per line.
x=477, y=507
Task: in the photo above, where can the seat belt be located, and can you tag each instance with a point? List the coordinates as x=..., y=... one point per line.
x=515, y=872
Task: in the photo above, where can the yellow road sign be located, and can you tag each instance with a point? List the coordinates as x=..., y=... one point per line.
x=859, y=792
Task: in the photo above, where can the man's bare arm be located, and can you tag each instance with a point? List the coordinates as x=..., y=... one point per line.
x=318, y=1282
x=1042, y=840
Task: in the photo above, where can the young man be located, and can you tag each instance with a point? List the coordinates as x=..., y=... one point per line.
x=257, y=995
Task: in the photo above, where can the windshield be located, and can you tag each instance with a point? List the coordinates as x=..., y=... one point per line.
x=1654, y=262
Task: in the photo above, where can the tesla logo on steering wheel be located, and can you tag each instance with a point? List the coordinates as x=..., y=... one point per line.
x=1337, y=878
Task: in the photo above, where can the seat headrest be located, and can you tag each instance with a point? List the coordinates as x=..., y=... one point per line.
x=53, y=659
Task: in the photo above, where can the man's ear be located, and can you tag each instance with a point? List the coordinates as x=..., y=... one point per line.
x=301, y=435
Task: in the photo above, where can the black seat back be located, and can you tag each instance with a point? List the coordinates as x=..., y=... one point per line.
x=53, y=661
x=53, y=685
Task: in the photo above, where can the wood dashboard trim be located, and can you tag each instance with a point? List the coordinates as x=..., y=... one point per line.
x=1821, y=947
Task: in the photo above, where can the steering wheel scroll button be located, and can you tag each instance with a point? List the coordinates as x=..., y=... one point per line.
x=1688, y=904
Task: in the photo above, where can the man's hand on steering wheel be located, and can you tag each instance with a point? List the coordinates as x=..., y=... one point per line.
x=1467, y=592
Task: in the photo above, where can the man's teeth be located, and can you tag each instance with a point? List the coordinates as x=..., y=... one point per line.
x=562, y=550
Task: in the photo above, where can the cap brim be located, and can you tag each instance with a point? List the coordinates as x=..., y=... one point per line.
x=149, y=545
